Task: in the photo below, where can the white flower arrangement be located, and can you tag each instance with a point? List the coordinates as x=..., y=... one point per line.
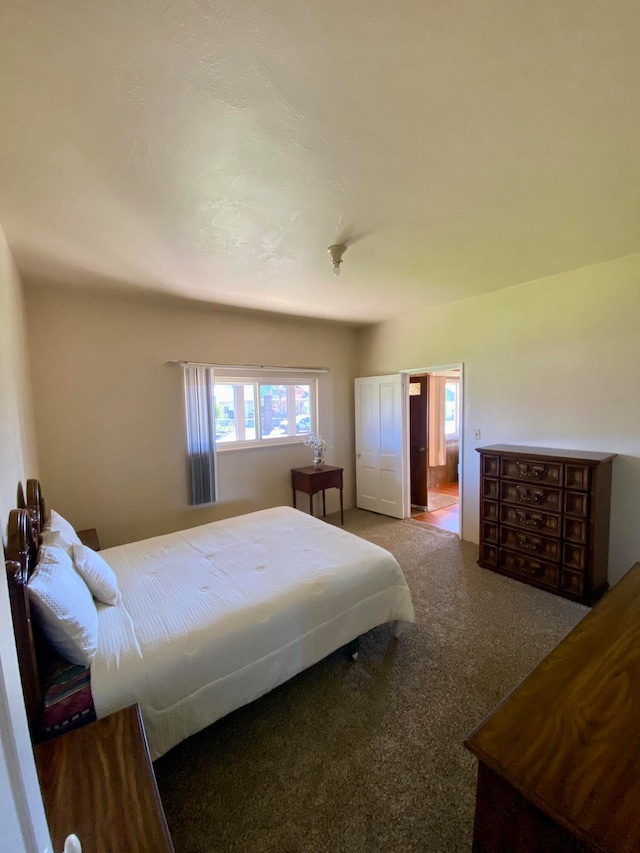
x=319, y=447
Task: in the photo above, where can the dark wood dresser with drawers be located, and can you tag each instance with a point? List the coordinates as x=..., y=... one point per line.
x=544, y=517
x=559, y=759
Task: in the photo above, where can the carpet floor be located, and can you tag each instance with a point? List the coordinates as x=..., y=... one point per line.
x=368, y=757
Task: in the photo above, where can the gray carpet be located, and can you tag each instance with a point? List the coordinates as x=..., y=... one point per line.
x=368, y=756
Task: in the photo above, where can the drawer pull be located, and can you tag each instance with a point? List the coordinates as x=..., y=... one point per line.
x=529, y=519
x=529, y=543
x=530, y=496
x=525, y=566
x=533, y=472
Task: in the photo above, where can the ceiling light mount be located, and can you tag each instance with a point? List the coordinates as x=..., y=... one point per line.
x=337, y=251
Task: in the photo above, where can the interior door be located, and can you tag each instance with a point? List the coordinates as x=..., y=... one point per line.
x=418, y=439
x=380, y=459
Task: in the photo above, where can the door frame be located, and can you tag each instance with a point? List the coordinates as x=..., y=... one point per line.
x=22, y=810
x=405, y=442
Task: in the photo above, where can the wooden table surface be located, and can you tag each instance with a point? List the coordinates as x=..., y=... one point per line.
x=98, y=782
x=568, y=738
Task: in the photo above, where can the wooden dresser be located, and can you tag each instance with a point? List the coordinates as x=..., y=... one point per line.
x=559, y=759
x=98, y=782
x=544, y=517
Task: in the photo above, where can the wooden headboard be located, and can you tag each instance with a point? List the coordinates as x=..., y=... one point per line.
x=21, y=554
x=24, y=532
x=34, y=504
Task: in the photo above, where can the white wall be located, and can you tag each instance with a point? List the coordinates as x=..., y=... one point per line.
x=551, y=363
x=110, y=411
x=22, y=821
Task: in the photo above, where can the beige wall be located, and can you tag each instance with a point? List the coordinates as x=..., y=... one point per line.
x=110, y=412
x=551, y=363
x=18, y=458
x=21, y=813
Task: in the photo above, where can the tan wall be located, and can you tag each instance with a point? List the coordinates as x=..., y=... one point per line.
x=18, y=457
x=110, y=412
x=551, y=363
x=23, y=820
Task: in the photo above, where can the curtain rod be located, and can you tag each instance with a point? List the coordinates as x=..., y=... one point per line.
x=252, y=367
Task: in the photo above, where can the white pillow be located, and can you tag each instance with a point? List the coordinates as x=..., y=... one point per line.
x=96, y=573
x=59, y=533
x=64, y=605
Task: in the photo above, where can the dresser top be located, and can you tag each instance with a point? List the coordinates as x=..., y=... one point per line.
x=546, y=453
x=567, y=737
x=98, y=782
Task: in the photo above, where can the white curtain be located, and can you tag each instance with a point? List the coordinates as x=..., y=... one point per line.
x=201, y=433
x=437, y=439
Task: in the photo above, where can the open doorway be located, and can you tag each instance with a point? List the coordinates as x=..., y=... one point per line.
x=435, y=418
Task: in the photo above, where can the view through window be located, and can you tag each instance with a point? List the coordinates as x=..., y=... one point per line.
x=452, y=408
x=262, y=412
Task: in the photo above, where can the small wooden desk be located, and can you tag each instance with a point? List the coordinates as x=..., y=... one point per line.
x=311, y=480
x=98, y=782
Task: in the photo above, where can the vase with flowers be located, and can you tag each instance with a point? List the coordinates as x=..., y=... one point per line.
x=319, y=447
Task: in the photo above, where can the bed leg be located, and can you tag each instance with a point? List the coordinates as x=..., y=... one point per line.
x=397, y=628
x=353, y=648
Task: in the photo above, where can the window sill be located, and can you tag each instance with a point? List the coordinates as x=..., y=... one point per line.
x=285, y=441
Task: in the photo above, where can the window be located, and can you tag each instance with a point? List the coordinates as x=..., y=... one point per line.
x=452, y=408
x=262, y=412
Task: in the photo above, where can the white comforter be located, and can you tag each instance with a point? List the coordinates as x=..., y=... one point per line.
x=213, y=617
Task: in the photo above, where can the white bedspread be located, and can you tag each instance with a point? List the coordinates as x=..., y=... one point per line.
x=213, y=617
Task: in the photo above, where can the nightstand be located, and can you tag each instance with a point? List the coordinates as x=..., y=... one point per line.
x=89, y=537
x=98, y=782
x=311, y=480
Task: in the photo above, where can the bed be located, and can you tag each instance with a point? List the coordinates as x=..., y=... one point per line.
x=209, y=619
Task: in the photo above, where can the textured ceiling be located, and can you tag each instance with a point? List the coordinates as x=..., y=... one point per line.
x=216, y=149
